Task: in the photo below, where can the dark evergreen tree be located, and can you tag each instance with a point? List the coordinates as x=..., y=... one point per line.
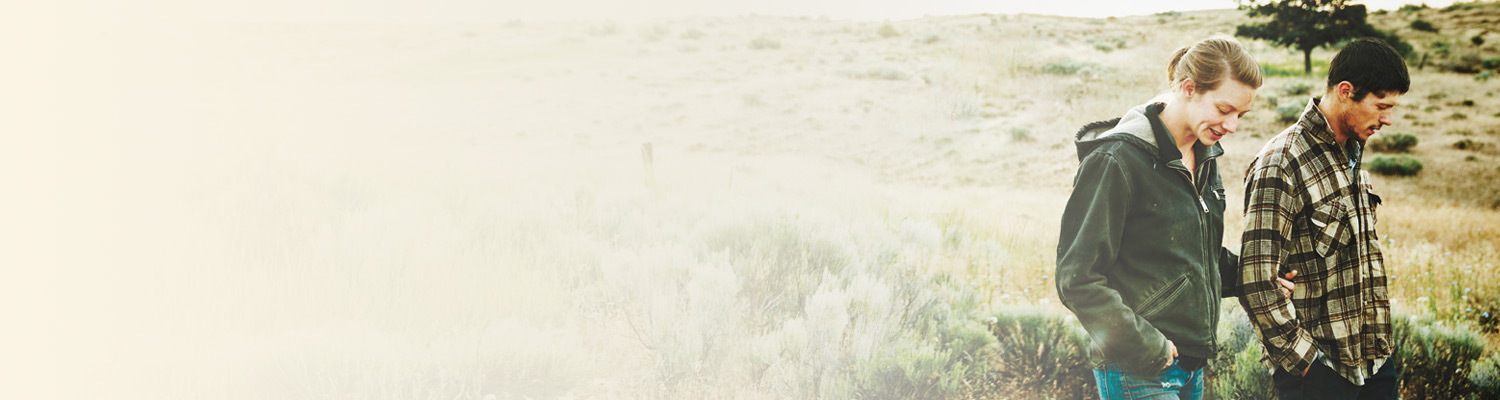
x=1309, y=24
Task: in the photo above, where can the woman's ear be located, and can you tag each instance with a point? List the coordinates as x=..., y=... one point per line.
x=1188, y=88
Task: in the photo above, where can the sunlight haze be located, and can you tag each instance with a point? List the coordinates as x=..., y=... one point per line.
x=480, y=11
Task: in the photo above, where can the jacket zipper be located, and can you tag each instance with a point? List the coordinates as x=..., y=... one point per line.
x=1213, y=267
x=1197, y=190
x=1203, y=228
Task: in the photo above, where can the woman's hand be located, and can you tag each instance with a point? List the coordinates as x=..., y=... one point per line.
x=1172, y=346
x=1286, y=283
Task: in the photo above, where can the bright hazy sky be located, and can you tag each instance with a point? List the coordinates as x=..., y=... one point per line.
x=502, y=10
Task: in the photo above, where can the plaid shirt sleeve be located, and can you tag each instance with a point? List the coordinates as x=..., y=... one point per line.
x=1271, y=199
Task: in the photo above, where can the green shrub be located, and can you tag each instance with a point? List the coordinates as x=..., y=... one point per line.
x=1441, y=48
x=1394, y=143
x=1398, y=165
x=1458, y=115
x=1458, y=6
x=909, y=369
x=1410, y=8
x=1072, y=67
x=1467, y=63
x=1434, y=359
x=1281, y=70
x=1490, y=63
x=1423, y=26
x=1485, y=377
x=1484, y=76
x=764, y=43
x=1019, y=133
x=778, y=263
x=941, y=349
x=1403, y=47
x=1297, y=88
x=782, y=298
x=1289, y=112
x=1237, y=372
x=940, y=345
x=887, y=31
x=1468, y=144
x=1041, y=354
x=1477, y=40
x=1107, y=43
x=887, y=73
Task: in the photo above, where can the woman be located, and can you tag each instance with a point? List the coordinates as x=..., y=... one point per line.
x=1139, y=259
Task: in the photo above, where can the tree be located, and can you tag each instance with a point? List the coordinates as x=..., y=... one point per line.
x=1309, y=24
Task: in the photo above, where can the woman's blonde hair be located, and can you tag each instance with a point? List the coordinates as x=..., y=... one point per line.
x=1208, y=61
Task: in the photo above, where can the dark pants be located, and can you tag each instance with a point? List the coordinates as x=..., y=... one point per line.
x=1324, y=383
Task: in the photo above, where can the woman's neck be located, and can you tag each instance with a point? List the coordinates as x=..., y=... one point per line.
x=1174, y=117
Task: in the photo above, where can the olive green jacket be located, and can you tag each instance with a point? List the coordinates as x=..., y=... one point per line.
x=1139, y=258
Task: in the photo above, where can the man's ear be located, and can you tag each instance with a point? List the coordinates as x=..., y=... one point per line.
x=1345, y=91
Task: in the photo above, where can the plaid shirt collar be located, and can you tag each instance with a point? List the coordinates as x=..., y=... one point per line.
x=1315, y=125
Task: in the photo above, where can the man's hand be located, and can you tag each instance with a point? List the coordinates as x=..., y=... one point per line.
x=1172, y=346
x=1286, y=283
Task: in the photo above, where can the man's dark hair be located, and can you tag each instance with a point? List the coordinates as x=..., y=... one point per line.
x=1372, y=66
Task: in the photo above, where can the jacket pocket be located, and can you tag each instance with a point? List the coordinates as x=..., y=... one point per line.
x=1330, y=228
x=1162, y=298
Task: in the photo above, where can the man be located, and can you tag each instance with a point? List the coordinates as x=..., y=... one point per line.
x=1310, y=209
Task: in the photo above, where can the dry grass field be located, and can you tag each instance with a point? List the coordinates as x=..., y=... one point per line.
x=384, y=211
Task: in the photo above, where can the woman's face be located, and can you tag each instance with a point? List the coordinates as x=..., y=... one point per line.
x=1214, y=114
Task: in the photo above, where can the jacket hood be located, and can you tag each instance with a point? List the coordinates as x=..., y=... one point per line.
x=1133, y=127
x=1139, y=127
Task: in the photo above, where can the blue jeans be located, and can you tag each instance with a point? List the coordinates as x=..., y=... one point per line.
x=1173, y=383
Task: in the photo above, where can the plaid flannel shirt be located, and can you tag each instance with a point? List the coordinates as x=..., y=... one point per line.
x=1303, y=213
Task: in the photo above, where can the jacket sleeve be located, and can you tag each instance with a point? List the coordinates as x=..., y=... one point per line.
x=1092, y=226
x=1229, y=273
x=1269, y=205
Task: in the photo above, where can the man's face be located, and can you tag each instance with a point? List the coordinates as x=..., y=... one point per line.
x=1216, y=113
x=1363, y=118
